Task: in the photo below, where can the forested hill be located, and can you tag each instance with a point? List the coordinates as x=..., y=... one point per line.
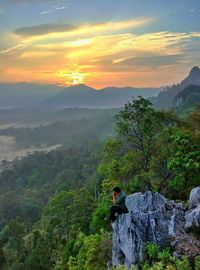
x=165, y=99
x=187, y=99
x=53, y=205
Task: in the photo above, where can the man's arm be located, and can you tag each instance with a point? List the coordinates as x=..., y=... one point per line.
x=113, y=198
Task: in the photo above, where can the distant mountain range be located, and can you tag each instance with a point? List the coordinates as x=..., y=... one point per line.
x=82, y=96
x=25, y=94
x=35, y=95
x=111, y=97
x=167, y=98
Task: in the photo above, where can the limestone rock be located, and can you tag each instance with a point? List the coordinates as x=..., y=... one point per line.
x=193, y=219
x=194, y=200
x=151, y=218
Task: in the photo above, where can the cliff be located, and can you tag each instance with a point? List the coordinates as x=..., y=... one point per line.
x=153, y=218
x=165, y=99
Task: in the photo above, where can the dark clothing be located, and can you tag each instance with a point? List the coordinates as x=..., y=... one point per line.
x=119, y=207
x=116, y=209
x=120, y=200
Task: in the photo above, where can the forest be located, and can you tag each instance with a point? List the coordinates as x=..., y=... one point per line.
x=53, y=205
x=70, y=127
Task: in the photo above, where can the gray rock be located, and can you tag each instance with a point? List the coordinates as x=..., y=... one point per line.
x=194, y=200
x=151, y=218
x=193, y=219
x=139, y=203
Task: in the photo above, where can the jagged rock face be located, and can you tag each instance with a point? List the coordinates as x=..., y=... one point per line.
x=168, y=98
x=195, y=75
x=151, y=218
x=194, y=199
x=188, y=243
x=193, y=78
x=192, y=217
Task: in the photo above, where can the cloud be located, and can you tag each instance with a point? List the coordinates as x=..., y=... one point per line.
x=153, y=61
x=60, y=8
x=60, y=30
x=46, y=12
x=55, y=9
x=44, y=29
x=100, y=53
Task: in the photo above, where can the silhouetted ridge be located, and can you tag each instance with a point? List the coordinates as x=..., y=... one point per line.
x=165, y=99
x=195, y=71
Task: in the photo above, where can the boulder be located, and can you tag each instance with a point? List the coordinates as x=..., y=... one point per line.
x=194, y=199
x=192, y=219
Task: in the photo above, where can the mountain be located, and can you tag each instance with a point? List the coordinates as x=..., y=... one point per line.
x=30, y=95
x=51, y=96
x=164, y=100
x=25, y=94
x=187, y=99
x=110, y=97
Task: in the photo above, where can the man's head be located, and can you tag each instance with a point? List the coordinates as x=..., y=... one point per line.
x=116, y=190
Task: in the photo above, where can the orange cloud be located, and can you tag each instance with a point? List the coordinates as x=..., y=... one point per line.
x=100, y=55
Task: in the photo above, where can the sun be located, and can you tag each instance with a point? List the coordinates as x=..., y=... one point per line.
x=72, y=77
x=75, y=78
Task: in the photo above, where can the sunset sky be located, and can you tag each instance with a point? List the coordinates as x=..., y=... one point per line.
x=99, y=42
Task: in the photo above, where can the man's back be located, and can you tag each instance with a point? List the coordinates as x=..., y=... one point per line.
x=120, y=200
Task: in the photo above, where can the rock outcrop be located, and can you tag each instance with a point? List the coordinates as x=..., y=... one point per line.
x=152, y=218
x=194, y=199
x=192, y=217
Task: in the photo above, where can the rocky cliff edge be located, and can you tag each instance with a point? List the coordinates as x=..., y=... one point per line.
x=153, y=218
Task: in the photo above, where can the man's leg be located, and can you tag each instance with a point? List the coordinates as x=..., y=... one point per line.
x=113, y=210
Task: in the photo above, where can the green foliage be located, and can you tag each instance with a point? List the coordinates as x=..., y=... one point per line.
x=185, y=162
x=137, y=158
x=94, y=251
x=100, y=213
x=157, y=259
x=165, y=255
x=36, y=190
x=12, y=239
x=197, y=263
x=152, y=251
x=189, y=97
x=27, y=185
x=183, y=264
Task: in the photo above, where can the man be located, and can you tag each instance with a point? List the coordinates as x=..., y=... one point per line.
x=119, y=207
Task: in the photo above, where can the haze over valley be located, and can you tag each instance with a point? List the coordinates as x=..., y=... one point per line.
x=34, y=119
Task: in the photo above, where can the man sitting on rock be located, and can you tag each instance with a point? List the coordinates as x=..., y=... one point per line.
x=119, y=207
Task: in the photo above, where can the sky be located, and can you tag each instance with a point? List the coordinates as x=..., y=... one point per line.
x=140, y=43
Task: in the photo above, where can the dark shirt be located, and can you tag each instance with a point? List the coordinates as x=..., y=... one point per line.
x=120, y=200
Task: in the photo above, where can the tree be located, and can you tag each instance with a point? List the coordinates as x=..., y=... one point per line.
x=137, y=124
x=12, y=240
x=94, y=251
x=137, y=157
x=184, y=163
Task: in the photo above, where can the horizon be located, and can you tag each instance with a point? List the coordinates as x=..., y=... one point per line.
x=97, y=89
x=67, y=43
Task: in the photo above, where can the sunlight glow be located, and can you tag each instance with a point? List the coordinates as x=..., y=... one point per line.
x=100, y=55
x=72, y=77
